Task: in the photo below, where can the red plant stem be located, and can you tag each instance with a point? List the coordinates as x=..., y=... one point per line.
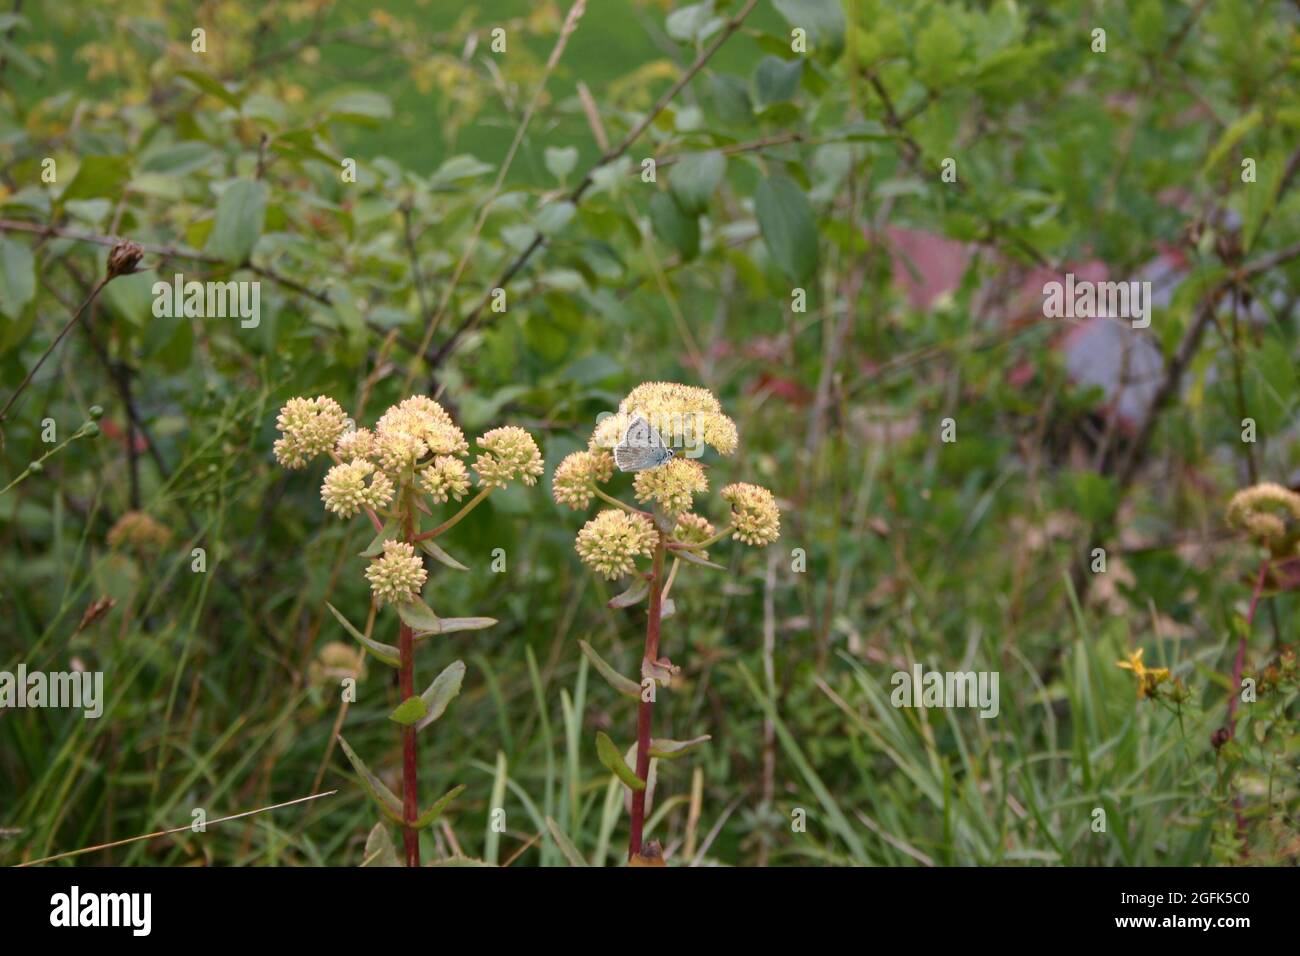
x=645, y=710
x=406, y=685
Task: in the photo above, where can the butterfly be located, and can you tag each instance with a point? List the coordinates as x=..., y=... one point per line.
x=642, y=447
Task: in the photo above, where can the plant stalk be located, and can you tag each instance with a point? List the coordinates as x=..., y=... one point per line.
x=406, y=685
x=645, y=710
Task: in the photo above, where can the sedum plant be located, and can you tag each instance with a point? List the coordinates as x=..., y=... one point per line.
x=665, y=528
x=394, y=474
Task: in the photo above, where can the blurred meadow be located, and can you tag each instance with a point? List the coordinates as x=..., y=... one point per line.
x=947, y=459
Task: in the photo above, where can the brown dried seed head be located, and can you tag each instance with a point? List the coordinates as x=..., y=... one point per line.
x=123, y=258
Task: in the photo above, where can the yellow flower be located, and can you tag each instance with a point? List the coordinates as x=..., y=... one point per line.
x=345, y=491
x=508, y=453
x=672, y=486
x=754, y=514
x=576, y=477
x=1149, y=678
x=310, y=426
x=446, y=476
x=398, y=575
x=610, y=542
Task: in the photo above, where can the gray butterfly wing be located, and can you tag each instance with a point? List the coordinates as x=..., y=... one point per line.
x=642, y=447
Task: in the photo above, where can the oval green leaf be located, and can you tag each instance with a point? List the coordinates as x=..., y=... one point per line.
x=614, y=763
x=786, y=220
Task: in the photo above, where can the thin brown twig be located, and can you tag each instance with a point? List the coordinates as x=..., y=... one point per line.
x=67, y=327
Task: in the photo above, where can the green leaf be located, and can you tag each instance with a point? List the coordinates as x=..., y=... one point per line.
x=177, y=159
x=384, y=652
x=99, y=176
x=1261, y=197
x=1235, y=133
x=823, y=19
x=380, y=850
x=674, y=227
x=560, y=160
x=241, y=212
x=730, y=99
x=441, y=692
x=692, y=558
x=439, y=555
x=378, y=791
x=614, y=763
x=672, y=749
x=131, y=299
x=566, y=846
x=376, y=546
x=624, y=685
x=457, y=169
x=17, y=277
x=419, y=616
x=461, y=861
x=776, y=79
x=361, y=106
x=553, y=217
x=409, y=711
x=685, y=24
x=434, y=812
x=449, y=625
x=694, y=179
x=1093, y=496
x=785, y=218
x=211, y=86
x=938, y=51
x=633, y=595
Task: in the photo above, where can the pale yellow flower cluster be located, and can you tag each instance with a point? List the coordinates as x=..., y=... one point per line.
x=1267, y=512
x=398, y=575
x=413, y=429
x=310, y=427
x=754, y=514
x=345, y=491
x=684, y=415
x=577, y=476
x=610, y=542
x=508, y=453
x=358, y=443
x=415, y=440
x=692, y=529
x=445, y=477
x=671, y=486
